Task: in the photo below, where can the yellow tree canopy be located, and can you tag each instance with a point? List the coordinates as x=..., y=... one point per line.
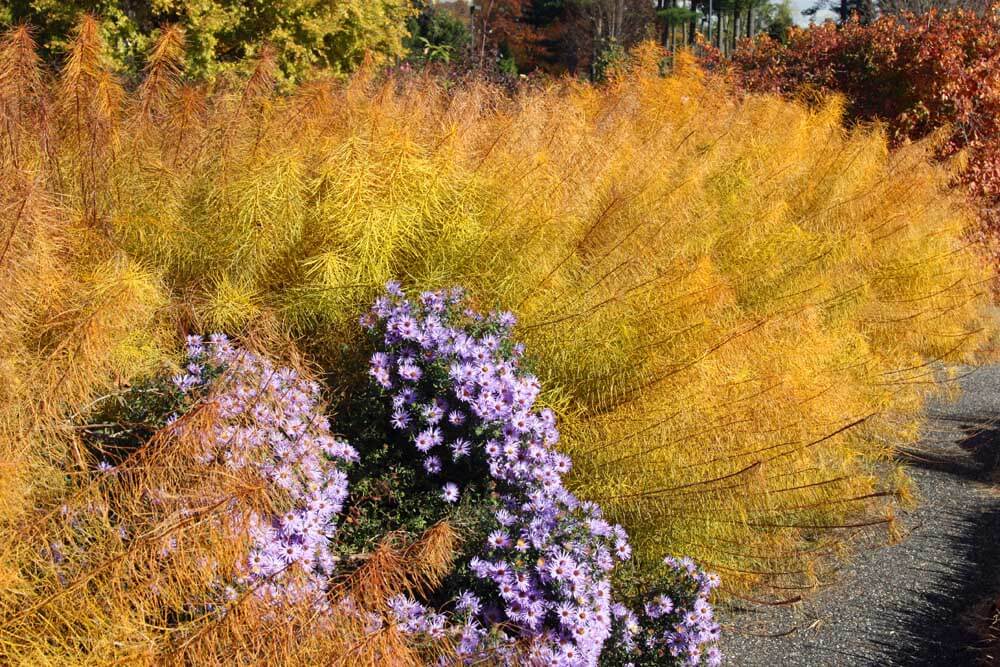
x=333, y=35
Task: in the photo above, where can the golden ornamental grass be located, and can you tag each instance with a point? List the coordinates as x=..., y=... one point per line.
x=737, y=309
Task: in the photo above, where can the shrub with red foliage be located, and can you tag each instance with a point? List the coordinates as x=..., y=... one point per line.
x=915, y=73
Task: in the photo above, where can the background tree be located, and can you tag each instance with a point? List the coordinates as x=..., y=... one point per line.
x=436, y=34
x=591, y=35
x=675, y=19
x=597, y=28
x=527, y=35
x=728, y=21
x=333, y=34
x=776, y=20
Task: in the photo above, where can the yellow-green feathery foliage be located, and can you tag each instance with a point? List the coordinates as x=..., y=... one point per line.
x=736, y=307
x=334, y=36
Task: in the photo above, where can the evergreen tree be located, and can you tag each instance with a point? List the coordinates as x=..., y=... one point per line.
x=436, y=34
x=776, y=20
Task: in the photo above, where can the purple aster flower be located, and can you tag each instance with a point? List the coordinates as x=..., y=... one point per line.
x=428, y=439
x=498, y=539
x=432, y=465
x=450, y=492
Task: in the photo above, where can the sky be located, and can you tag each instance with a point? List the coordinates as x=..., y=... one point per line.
x=799, y=5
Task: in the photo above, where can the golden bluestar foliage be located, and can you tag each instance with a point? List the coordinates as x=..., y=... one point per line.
x=736, y=307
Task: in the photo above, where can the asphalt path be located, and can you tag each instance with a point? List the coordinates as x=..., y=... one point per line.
x=912, y=603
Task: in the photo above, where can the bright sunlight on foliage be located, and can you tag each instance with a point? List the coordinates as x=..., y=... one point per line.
x=307, y=35
x=920, y=75
x=734, y=307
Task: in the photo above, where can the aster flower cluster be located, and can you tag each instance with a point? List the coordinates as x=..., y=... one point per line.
x=462, y=402
x=424, y=626
x=270, y=421
x=460, y=393
x=472, y=643
x=675, y=623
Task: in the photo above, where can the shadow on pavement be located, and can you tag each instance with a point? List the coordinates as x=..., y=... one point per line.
x=951, y=625
x=975, y=456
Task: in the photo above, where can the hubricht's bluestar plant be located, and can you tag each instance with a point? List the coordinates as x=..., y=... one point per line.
x=270, y=421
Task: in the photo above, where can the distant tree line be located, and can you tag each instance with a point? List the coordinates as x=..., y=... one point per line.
x=583, y=37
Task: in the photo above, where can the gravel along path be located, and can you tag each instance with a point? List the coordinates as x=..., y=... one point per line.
x=913, y=603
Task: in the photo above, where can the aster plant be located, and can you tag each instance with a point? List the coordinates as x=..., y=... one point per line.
x=270, y=419
x=540, y=589
x=668, y=619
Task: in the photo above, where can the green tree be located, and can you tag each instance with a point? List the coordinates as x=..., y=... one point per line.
x=777, y=20
x=436, y=34
x=332, y=35
x=674, y=16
